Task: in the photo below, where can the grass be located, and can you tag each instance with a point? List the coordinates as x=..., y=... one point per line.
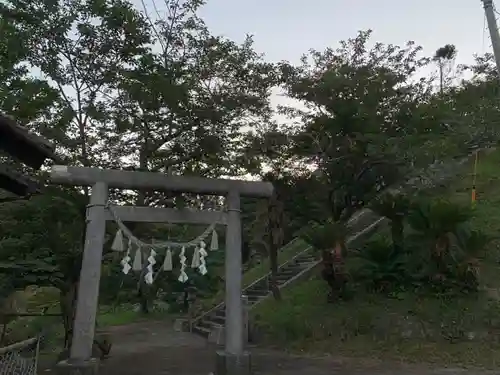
x=463, y=330
x=370, y=326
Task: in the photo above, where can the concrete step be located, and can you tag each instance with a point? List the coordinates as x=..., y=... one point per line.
x=202, y=331
x=305, y=263
x=305, y=258
x=296, y=268
x=220, y=312
x=207, y=323
x=261, y=284
x=218, y=319
x=256, y=297
x=288, y=273
x=256, y=292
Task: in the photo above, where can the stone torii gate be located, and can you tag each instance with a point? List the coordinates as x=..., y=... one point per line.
x=234, y=359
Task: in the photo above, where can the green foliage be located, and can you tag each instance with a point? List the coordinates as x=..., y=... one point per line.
x=379, y=266
x=41, y=240
x=199, y=286
x=440, y=253
x=394, y=206
x=437, y=217
x=325, y=236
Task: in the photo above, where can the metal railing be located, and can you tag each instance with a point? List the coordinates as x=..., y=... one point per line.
x=354, y=218
x=20, y=358
x=372, y=226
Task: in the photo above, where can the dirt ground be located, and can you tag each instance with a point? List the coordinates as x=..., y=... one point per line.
x=153, y=348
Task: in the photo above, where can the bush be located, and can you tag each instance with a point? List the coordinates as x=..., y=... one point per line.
x=440, y=254
x=379, y=266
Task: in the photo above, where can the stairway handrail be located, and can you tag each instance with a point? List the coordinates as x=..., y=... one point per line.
x=315, y=264
x=354, y=218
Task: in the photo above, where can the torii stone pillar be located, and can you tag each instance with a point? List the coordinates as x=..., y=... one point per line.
x=233, y=360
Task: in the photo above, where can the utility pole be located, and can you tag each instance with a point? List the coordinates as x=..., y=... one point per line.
x=492, y=26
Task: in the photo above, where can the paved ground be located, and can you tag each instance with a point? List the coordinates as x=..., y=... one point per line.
x=155, y=349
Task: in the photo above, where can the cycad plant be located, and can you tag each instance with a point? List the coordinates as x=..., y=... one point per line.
x=437, y=224
x=470, y=246
x=330, y=236
x=395, y=207
x=380, y=266
x=330, y=239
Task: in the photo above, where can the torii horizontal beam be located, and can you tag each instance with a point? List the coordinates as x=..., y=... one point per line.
x=166, y=215
x=114, y=178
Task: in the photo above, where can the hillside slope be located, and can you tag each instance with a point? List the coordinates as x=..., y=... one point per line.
x=406, y=326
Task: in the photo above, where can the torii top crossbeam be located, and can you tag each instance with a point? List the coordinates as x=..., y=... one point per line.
x=113, y=178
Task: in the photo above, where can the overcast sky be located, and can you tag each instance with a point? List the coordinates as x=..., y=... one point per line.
x=285, y=29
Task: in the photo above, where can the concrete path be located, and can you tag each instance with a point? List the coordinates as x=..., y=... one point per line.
x=153, y=348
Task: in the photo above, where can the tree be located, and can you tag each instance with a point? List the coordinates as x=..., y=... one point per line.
x=472, y=110
x=79, y=48
x=183, y=109
x=444, y=57
x=118, y=102
x=26, y=98
x=40, y=244
x=359, y=104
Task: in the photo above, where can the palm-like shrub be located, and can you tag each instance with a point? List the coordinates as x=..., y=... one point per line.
x=330, y=238
x=441, y=229
x=468, y=250
x=379, y=266
x=438, y=222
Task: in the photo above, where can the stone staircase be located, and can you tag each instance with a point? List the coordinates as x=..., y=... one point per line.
x=258, y=291
x=212, y=321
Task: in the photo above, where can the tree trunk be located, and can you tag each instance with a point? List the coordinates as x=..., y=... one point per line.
x=275, y=237
x=273, y=283
x=397, y=234
x=67, y=300
x=4, y=333
x=441, y=78
x=334, y=272
x=327, y=273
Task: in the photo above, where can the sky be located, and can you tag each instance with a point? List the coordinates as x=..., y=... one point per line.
x=286, y=29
